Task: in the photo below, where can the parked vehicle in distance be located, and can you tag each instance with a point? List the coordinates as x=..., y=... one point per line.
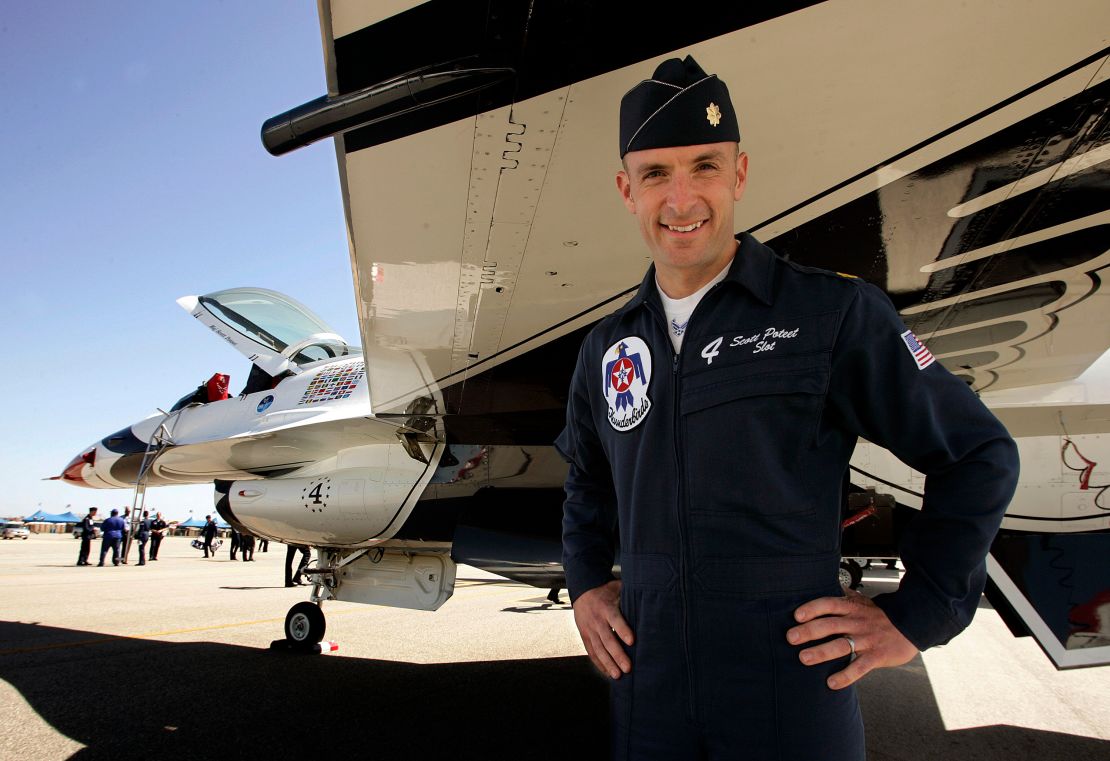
x=77, y=531
x=14, y=531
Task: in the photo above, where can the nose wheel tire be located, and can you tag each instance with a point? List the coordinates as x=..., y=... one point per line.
x=304, y=625
x=851, y=574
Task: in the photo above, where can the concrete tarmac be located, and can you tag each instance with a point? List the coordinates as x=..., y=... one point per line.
x=171, y=660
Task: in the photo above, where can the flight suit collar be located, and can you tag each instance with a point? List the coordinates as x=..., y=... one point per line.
x=753, y=268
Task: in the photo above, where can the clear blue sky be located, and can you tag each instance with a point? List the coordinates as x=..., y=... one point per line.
x=132, y=174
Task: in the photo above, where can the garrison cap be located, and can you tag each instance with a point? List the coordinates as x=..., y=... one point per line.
x=679, y=105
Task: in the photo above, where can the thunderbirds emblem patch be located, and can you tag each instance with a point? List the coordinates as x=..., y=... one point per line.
x=922, y=356
x=626, y=368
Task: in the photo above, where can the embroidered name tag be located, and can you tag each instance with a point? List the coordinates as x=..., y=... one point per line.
x=757, y=342
x=774, y=340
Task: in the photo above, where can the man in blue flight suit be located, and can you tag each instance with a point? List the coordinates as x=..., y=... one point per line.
x=142, y=534
x=710, y=423
x=157, y=530
x=112, y=529
x=208, y=532
x=87, y=527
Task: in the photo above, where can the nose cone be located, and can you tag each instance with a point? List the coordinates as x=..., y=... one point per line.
x=80, y=468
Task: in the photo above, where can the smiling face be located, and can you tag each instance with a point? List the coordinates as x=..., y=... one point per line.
x=683, y=198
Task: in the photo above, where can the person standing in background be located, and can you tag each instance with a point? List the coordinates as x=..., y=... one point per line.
x=209, y=534
x=142, y=534
x=87, y=528
x=113, y=529
x=125, y=538
x=294, y=579
x=157, y=531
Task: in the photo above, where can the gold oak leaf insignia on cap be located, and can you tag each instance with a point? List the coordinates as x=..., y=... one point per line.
x=713, y=114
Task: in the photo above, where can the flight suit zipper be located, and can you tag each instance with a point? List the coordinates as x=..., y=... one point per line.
x=680, y=506
x=683, y=575
x=680, y=513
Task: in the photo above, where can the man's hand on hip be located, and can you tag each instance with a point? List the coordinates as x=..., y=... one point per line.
x=598, y=617
x=875, y=640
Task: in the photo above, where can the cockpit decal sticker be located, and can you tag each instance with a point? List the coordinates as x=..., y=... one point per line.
x=334, y=383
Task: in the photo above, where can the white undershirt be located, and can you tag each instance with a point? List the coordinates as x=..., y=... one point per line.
x=678, y=311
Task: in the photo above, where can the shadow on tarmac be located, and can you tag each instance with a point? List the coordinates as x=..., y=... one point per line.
x=136, y=698
x=540, y=608
x=252, y=589
x=129, y=698
x=903, y=723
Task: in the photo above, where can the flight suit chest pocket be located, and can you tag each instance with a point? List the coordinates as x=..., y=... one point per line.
x=747, y=434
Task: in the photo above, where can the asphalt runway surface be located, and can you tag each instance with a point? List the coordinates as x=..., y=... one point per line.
x=171, y=660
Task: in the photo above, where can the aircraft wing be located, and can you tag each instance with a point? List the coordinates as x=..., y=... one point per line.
x=962, y=170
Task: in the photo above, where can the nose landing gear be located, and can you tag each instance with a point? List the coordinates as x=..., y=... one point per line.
x=304, y=623
x=304, y=626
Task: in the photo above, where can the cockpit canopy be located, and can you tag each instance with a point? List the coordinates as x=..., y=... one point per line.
x=277, y=333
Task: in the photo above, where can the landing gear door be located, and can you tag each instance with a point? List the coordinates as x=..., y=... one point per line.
x=397, y=579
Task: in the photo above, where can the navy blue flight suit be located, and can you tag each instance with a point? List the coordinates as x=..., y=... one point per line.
x=208, y=531
x=113, y=529
x=722, y=469
x=86, y=540
x=157, y=527
x=142, y=535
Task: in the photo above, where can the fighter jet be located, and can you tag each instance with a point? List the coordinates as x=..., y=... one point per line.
x=954, y=154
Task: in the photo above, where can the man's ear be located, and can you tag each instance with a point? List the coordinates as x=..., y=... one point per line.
x=624, y=186
x=741, y=175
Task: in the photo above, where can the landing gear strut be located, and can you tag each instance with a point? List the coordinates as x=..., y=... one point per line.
x=304, y=623
x=304, y=626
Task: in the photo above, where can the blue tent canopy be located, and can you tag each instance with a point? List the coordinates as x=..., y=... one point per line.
x=40, y=517
x=199, y=523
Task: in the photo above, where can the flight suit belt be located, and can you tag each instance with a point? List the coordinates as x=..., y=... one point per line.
x=750, y=578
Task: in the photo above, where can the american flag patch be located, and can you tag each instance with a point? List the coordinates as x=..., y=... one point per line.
x=922, y=356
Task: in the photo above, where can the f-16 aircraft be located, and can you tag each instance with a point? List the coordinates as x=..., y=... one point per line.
x=954, y=154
